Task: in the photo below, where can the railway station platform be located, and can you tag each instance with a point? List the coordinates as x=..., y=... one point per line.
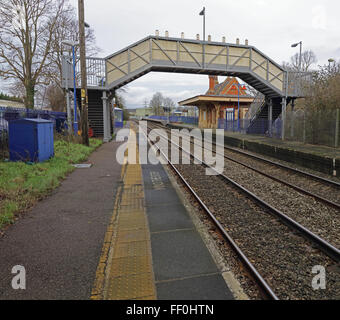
x=152, y=250
x=319, y=158
x=111, y=232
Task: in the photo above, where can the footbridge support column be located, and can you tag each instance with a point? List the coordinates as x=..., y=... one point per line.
x=270, y=117
x=292, y=120
x=106, y=117
x=284, y=106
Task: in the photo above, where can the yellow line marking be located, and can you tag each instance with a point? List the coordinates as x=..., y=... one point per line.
x=125, y=266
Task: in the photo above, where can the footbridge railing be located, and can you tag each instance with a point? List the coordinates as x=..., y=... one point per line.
x=165, y=54
x=194, y=56
x=95, y=70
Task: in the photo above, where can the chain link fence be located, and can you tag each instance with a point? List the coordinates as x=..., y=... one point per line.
x=177, y=119
x=310, y=127
x=313, y=127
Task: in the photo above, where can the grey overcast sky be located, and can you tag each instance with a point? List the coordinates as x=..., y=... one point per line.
x=270, y=25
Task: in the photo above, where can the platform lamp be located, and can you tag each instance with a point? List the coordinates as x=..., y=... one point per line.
x=300, y=58
x=202, y=13
x=238, y=104
x=330, y=60
x=73, y=45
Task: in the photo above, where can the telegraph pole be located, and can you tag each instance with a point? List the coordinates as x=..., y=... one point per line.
x=84, y=96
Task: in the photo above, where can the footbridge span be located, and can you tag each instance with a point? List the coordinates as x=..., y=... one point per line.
x=165, y=54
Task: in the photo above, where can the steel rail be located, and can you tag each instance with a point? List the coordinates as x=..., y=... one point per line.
x=310, y=175
x=255, y=274
x=295, y=187
x=325, y=246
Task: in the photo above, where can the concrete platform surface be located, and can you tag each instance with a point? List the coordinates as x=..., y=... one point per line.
x=183, y=267
x=110, y=232
x=59, y=241
x=151, y=248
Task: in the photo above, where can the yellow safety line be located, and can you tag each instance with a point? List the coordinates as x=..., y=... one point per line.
x=125, y=269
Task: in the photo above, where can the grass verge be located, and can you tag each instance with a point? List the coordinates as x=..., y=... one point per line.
x=22, y=185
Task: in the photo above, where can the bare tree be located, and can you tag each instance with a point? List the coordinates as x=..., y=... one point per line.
x=156, y=104
x=308, y=58
x=120, y=101
x=55, y=97
x=17, y=88
x=324, y=93
x=146, y=103
x=169, y=104
x=66, y=29
x=26, y=36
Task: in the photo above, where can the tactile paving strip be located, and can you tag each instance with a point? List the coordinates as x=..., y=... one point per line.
x=131, y=287
x=130, y=266
x=128, y=269
x=131, y=236
x=132, y=249
x=136, y=221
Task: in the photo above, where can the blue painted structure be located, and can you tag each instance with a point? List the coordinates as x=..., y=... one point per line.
x=9, y=114
x=119, y=118
x=31, y=140
x=178, y=119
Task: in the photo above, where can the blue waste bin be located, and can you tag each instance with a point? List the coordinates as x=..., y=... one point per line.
x=31, y=140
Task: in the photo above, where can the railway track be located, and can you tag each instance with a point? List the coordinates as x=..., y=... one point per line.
x=255, y=219
x=256, y=164
x=318, y=213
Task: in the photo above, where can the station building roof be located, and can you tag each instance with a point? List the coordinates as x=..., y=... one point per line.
x=229, y=91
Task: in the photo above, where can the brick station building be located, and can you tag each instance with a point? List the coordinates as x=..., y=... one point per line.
x=220, y=102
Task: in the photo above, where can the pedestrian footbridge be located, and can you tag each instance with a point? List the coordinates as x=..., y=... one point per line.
x=165, y=54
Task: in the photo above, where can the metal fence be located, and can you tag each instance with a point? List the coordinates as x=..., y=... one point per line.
x=10, y=114
x=261, y=128
x=310, y=127
x=176, y=119
x=313, y=127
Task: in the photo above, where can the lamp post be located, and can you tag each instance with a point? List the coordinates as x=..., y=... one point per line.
x=73, y=45
x=330, y=60
x=69, y=114
x=202, y=13
x=238, y=107
x=300, y=58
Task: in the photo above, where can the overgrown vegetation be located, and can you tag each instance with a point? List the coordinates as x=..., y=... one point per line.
x=315, y=118
x=22, y=185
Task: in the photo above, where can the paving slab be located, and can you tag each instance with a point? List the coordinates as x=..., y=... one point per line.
x=201, y=288
x=183, y=266
x=163, y=218
x=180, y=254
